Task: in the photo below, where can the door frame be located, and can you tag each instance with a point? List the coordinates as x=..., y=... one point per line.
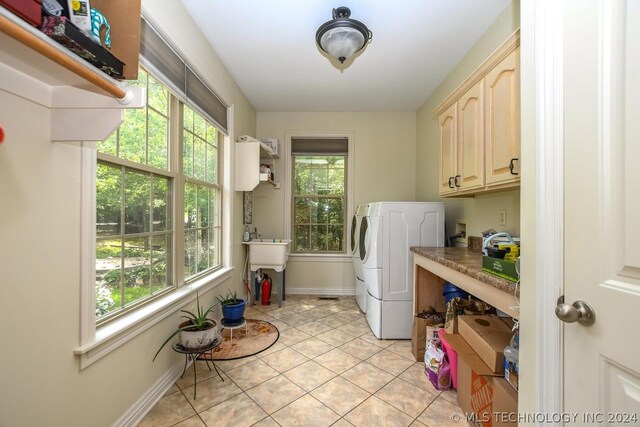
x=548, y=75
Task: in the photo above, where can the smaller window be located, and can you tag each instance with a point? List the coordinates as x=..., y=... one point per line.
x=319, y=195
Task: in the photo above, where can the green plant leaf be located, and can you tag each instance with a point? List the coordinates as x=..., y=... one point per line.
x=176, y=332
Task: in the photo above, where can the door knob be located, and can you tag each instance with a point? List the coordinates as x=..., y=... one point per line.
x=579, y=311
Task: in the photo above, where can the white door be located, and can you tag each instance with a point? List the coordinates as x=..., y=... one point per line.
x=602, y=208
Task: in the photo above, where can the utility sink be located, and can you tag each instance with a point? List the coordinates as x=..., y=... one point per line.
x=268, y=253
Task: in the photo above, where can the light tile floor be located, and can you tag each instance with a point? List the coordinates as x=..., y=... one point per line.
x=326, y=369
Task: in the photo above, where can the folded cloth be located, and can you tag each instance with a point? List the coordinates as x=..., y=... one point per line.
x=247, y=138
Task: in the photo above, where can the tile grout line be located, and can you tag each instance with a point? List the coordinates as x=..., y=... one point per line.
x=320, y=320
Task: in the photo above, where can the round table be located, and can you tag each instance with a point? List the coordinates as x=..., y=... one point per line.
x=193, y=354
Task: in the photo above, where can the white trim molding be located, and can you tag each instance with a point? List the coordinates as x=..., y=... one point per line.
x=118, y=332
x=322, y=291
x=549, y=75
x=346, y=259
x=148, y=400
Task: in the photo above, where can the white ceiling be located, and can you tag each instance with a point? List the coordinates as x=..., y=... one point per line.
x=269, y=48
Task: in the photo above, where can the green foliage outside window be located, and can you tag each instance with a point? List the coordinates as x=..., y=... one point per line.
x=134, y=235
x=319, y=203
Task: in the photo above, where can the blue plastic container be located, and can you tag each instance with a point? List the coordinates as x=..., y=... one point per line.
x=452, y=291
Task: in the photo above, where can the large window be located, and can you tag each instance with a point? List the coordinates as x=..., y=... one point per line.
x=202, y=194
x=143, y=249
x=319, y=195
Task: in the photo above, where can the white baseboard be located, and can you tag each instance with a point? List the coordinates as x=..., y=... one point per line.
x=149, y=399
x=320, y=291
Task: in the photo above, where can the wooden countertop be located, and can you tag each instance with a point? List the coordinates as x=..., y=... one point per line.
x=467, y=262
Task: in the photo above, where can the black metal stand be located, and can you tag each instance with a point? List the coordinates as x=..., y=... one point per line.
x=194, y=354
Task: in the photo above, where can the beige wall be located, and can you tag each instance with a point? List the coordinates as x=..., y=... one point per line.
x=384, y=170
x=42, y=383
x=481, y=212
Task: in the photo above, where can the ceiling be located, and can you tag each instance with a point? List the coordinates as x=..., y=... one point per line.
x=269, y=48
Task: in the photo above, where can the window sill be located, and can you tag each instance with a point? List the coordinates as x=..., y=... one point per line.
x=114, y=334
x=320, y=258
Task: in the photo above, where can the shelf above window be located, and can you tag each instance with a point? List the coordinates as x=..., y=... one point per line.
x=86, y=104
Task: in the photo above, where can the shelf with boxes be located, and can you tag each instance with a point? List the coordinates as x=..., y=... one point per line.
x=86, y=103
x=473, y=350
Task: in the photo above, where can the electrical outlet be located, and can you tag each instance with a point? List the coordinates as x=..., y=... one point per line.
x=502, y=217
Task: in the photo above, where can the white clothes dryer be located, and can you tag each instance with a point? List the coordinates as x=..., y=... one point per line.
x=387, y=232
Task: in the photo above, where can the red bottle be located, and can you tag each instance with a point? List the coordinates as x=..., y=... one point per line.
x=265, y=290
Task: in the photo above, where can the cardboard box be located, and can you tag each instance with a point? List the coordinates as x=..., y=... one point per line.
x=505, y=268
x=508, y=321
x=488, y=336
x=124, y=19
x=488, y=398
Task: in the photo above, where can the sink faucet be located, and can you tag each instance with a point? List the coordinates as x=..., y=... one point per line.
x=256, y=233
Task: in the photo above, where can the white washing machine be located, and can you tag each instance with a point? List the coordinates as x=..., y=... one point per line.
x=387, y=232
x=361, y=291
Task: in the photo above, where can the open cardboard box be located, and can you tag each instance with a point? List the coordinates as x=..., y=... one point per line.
x=124, y=19
x=488, y=336
x=485, y=395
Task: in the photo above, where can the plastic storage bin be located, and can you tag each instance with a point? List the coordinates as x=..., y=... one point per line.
x=450, y=291
x=452, y=355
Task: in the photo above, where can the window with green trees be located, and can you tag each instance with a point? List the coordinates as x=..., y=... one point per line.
x=142, y=251
x=319, y=203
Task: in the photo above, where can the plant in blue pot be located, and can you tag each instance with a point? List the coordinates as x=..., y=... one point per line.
x=232, y=308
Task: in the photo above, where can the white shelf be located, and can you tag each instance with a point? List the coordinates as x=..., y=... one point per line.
x=249, y=156
x=265, y=151
x=85, y=104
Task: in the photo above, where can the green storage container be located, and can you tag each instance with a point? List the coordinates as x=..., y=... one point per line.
x=504, y=268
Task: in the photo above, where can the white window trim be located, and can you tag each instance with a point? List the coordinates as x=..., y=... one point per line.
x=350, y=135
x=97, y=342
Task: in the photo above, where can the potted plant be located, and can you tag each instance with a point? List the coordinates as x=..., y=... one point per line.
x=197, y=330
x=232, y=308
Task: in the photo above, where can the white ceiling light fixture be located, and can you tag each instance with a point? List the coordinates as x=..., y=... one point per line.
x=342, y=37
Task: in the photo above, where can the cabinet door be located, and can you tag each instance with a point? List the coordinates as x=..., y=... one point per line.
x=502, y=89
x=447, y=125
x=471, y=139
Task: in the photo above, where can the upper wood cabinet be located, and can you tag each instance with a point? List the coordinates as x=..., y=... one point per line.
x=503, y=121
x=471, y=148
x=479, y=125
x=462, y=144
x=448, y=150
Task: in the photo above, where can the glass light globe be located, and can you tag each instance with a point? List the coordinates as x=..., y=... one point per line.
x=342, y=42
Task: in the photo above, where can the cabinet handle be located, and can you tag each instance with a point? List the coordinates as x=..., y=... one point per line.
x=450, y=183
x=457, y=181
x=511, y=166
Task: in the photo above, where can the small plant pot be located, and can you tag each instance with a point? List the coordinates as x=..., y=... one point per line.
x=233, y=313
x=201, y=338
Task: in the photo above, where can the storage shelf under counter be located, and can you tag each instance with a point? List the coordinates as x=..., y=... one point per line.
x=433, y=267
